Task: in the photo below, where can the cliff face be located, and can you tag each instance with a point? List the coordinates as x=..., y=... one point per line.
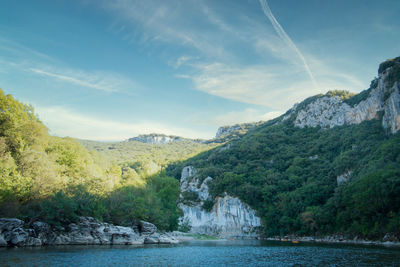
x=383, y=97
x=158, y=139
x=229, y=216
x=238, y=129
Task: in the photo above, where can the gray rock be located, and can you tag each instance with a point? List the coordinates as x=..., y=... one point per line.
x=147, y=228
x=229, y=217
x=87, y=231
x=158, y=139
x=18, y=236
x=343, y=178
x=33, y=242
x=328, y=112
x=167, y=239
x=41, y=227
x=3, y=242
x=8, y=224
x=187, y=172
x=151, y=240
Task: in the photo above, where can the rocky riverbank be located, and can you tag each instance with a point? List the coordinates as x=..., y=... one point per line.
x=87, y=231
x=388, y=240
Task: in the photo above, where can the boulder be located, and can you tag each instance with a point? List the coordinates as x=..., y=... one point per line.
x=18, y=236
x=86, y=231
x=7, y=224
x=147, y=228
x=3, y=242
x=167, y=239
x=33, y=242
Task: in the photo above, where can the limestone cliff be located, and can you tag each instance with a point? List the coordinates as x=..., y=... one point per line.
x=157, y=139
x=383, y=96
x=229, y=216
x=238, y=129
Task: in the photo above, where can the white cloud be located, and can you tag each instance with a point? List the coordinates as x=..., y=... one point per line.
x=280, y=77
x=270, y=86
x=65, y=122
x=25, y=59
x=180, y=61
x=169, y=22
x=274, y=86
x=99, y=80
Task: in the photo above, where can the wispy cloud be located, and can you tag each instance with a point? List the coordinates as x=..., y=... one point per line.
x=108, y=82
x=281, y=32
x=26, y=60
x=169, y=22
x=66, y=122
x=180, y=61
x=274, y=86
x=281, y=76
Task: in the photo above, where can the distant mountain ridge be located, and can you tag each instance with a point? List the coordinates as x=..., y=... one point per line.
x=159, y=139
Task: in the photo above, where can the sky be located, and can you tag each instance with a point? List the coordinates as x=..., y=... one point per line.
x=110, y=70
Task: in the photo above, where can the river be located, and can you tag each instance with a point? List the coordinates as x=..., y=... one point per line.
x=204, y=253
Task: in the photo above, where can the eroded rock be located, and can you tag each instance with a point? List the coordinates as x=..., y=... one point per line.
x=229, y=216
x=87, y=231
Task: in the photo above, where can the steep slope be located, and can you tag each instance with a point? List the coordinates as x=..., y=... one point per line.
x=330, y=164
x=229, y=217
x=56, y=180
x=336, y=110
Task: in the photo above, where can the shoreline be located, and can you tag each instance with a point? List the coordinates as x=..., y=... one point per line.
x=331, y=240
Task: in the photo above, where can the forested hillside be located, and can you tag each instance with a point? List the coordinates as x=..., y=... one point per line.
x=56, y=179
x=309, y=180
x=140, y=159
x=331, y=164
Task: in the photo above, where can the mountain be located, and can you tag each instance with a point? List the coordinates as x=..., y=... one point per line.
x=160, y=139
x=328, y=165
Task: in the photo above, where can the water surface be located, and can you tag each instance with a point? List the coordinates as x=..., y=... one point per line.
x=204, y=253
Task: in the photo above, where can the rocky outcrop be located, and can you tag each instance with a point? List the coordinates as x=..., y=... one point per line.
x=228, y=217
x=87, y=231
x=384, y=96
x=156, y=138
x=240, y=129
x=161, y=139
x=344, y=178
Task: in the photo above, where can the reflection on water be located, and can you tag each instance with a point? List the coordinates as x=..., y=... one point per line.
x=204, y=253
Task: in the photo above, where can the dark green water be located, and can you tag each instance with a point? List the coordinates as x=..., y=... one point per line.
x=204, y=253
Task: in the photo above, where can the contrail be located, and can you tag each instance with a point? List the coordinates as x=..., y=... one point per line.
x=283, y=35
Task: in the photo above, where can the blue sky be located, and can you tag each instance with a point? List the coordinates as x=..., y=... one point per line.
x=110, y=70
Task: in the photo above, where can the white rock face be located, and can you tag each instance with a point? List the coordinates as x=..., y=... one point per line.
x=226, y=130
x=328, y=112
x=229, y=217
x=391, y=118
x=344, y=178
x=158, y=139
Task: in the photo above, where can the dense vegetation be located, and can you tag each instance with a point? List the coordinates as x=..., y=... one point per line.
x=56, y=179
x=289, y=175
x=301, y=181
x=140, y=160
